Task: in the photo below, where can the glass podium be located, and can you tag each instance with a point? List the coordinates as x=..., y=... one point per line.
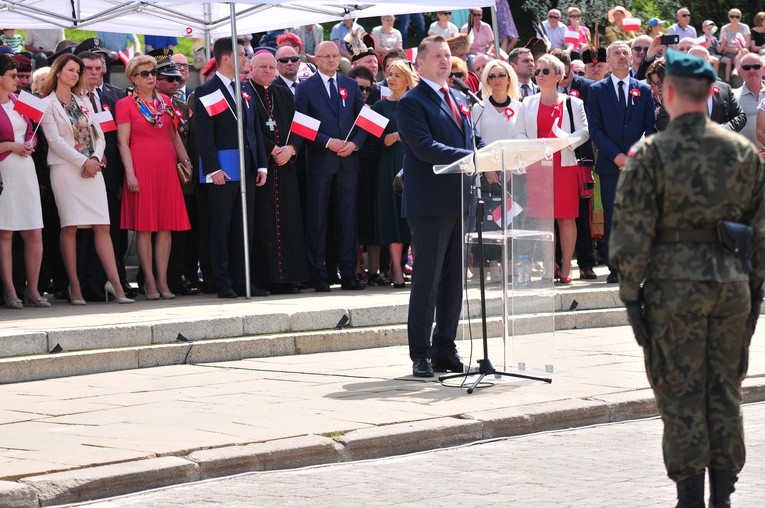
x=514, y=181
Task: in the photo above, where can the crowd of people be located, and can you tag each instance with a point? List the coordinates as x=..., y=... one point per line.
x=153, y=158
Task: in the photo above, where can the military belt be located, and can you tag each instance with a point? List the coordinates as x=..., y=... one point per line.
x=686, y=236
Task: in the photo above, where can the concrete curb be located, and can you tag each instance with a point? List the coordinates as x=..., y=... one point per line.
x=117, y=479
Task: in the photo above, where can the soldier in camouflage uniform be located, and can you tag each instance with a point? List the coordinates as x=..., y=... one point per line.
x=700, y=304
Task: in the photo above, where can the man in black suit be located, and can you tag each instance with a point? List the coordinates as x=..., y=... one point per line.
x=218, y=146
x=103, y=97
x=722, y=106
x=333, y=165
x=434, y=129
x=287, y=64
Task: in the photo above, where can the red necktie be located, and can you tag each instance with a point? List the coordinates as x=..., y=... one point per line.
x=450, y=102
x=92, y=97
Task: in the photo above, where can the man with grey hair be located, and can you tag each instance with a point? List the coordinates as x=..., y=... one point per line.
x=479, y=62
x=750, y=68
x=620, y=111
x=639, y=49
x=722, y=106
x=555, y=30
x=683, y=26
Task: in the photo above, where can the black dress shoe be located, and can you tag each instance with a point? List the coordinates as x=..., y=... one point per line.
x=351, y=284
x=209, y=288
x=322, y=287
x=448, y=363
x=587, y=273
x=186, y=289
x=227, y=293
x=254, y=291
x=613, y=278
x=421, y=368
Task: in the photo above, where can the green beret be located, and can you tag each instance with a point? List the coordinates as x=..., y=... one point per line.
x=682, y=65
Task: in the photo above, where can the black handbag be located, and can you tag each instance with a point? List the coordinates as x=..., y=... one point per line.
x=586, y=179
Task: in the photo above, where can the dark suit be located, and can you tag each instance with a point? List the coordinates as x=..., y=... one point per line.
x=216, y=133
x=613, y=133
x=433, y=206
x=279, y=81
x=725, y=108
x=327, y=172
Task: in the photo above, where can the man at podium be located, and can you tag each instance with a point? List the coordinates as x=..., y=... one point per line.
x=435, y=129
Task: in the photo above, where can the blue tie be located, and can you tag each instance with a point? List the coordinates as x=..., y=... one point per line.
x=622, y=99
x=333, y=95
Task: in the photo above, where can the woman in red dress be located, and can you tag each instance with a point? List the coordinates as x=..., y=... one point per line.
x=152, y=199
x=539, y=114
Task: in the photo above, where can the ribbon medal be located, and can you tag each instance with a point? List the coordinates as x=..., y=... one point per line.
x=343, y=95
x=509, y=113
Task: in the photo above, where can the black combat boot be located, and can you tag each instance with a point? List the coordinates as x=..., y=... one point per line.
x=720, y=488
x=690, y=492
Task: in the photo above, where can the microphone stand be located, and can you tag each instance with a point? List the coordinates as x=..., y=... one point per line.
x=485, y=366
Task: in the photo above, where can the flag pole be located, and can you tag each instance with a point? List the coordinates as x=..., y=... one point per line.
x=351, y=129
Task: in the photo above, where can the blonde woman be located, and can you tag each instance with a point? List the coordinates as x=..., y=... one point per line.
x=390, y=229
x=539, y=116
x=150, y=147
x=38, y=79
x=75, y=155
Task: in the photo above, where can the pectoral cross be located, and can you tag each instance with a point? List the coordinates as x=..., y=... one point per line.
x=271, y=124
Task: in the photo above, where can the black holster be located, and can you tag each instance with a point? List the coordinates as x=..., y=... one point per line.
x=737, y=238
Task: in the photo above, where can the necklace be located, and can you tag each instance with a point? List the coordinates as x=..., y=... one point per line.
x=502, y=104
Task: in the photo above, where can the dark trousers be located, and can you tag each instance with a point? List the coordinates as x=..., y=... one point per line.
x=203, y=208
x=436, y=285
x=184, y=256
x=607, y=196
x=226, y=232
x=343, y=187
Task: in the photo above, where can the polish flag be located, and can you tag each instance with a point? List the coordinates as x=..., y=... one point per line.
x=126, y=56
x=30, y=106
x=305, y=126
x=572, y=37
x=385, y=92
x=739, y=41
x=502, y=54
x=702, y=41
x=631, y=24
x=106, y=121
x=411, y=54
x=214, y=103
x=371, y=121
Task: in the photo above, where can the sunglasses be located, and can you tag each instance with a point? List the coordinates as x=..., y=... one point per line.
x=546, y=72
x=685, y=15
x=285, y=59
x=146, y=74
x=734, y=16
x=575, y=16
x=365, y=89
x=579, y=73
x=455, y=75
x=553, y=17
x=447, y=13
x=476, y=15
x=169, y=79
x=640, y=49
x=756, y=67
x=496, y=76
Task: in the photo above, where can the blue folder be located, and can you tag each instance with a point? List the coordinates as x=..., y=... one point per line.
x=229, y=162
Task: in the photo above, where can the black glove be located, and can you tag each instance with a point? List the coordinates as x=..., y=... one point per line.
x=756, y=292
x=637, y=321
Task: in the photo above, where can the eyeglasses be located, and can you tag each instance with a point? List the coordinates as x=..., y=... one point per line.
x=455, y=75
x=328, y=56
x=365, y=89
x=146, y=74
x=575, y=16
x=553, y=16
x=477, y=14
x=181, y=65
x=496, y=76
x=546, y=72
x=285, y=59
x=640, y=49
x=734, y=16
x=169, y=79
x=756, y=67
x=579, y=73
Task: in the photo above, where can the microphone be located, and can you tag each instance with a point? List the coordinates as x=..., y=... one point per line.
x=462, y=87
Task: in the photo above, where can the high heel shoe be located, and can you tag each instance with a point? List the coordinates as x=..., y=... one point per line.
x=109, y=290
x=36, y=302
x=565, y=280
x=72, y=301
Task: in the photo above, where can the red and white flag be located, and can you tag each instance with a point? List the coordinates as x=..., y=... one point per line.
x=385, y=92
x=305, y=126
x=571, y=37
x=739, y=41
x=214, y=103
x=371, y=121
x=631, y=24
x=411, y=54
x=502, y=54
x=126, y=55
x=106, y=121
x=30, y=106
x=702, y=41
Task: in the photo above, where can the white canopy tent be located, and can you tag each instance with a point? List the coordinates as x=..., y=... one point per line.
x=195, y=18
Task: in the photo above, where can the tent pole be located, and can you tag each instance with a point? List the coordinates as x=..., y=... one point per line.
x=240, y=136
x=495, y=27
x=207, y=15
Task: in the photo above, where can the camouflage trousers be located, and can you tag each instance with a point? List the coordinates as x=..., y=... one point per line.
x=696, y=359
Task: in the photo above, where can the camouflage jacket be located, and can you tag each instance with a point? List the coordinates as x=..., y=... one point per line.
x=689, y=176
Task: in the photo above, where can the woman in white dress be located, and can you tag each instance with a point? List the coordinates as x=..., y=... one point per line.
x=75, y=154
x=20, y=208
